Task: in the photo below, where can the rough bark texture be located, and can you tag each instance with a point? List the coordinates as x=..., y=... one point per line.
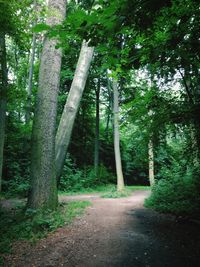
x=151, y=163
x=120, y=178
x=43, y=191
x=3, y=91
x=72, y=104
x=30, y=76
x=96, y=149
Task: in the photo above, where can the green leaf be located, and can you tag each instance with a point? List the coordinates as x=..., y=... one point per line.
x=41, y=27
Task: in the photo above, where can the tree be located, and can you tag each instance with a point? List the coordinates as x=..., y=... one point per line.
x=120, y=178
x=31, y=67
x=43, y=173
x=96, y=149
x=3, y=98
x=151, y=162
x=71, y=106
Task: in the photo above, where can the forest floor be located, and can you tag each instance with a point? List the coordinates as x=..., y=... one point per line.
x=114, y=232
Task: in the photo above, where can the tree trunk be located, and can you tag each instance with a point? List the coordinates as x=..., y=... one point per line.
x=3, y=100
x=96, y=149
x=193, y=128
x=72, y=104
x=120, y=178
x=30, y=76
x=151, y=162
x=110, y=108
x=43, y=193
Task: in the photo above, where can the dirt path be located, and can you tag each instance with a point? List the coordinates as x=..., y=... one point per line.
x=116, y=232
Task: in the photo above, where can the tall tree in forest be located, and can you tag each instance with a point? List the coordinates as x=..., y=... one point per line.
x=120, y=178
x=3, y=100
x=72, y=104
x=151, y=162
x=43, y=191
x=96, y=149
x=31, y=66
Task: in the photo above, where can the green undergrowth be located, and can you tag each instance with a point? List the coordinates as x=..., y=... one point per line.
x=116, y=194
x=33, y=225
x=138, y=187
x=113, y=193
x=178, y=197
x=107, y=189
x=89, y=190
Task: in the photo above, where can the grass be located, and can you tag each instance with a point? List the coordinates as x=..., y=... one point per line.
x=138, y=187
x=102, y=189
x=113, y=193
x=33, y=225
x=116, y=194
x=97, y=189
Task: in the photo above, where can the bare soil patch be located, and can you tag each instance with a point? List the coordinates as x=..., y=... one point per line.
x=115, y=232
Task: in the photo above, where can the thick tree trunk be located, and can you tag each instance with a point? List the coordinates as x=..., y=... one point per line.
x=120, y=178
x=96, y=149
x=3, y=100
x=72, y=104
x=151, y=163
x=43, y=193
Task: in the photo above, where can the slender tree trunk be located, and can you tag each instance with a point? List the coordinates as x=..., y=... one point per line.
x=43, y=193
x=193, y=128
x=151, y=162
x=110, y=108
x=120, y=178
x=72, y=104
x=30, y=75
x=3, y=100
x=96, y=150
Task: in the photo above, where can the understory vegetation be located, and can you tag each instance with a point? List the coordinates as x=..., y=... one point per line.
x=33, y=225
x=177, y=193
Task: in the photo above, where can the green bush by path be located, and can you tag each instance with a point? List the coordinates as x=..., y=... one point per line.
x=178, y=195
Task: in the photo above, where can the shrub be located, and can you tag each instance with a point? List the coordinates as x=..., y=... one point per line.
x=74, y=179
x=18, y=186
x=178, y=193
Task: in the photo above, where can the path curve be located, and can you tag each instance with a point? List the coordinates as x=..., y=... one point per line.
x=116, y=233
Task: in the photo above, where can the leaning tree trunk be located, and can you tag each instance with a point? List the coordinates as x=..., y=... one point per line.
x=151, y=162
x=96, y=148
x=43, y=193
x=3, y=91
x=120, y=178
x=30, y=74
x=72, y=104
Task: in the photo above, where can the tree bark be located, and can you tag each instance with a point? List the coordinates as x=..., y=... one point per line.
x=30, y=75
x=151, y=162
x=96, y=149
x=120, y=178
x=110, y=107
x=71, y=107
x=43, y=193
x=3, y=99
